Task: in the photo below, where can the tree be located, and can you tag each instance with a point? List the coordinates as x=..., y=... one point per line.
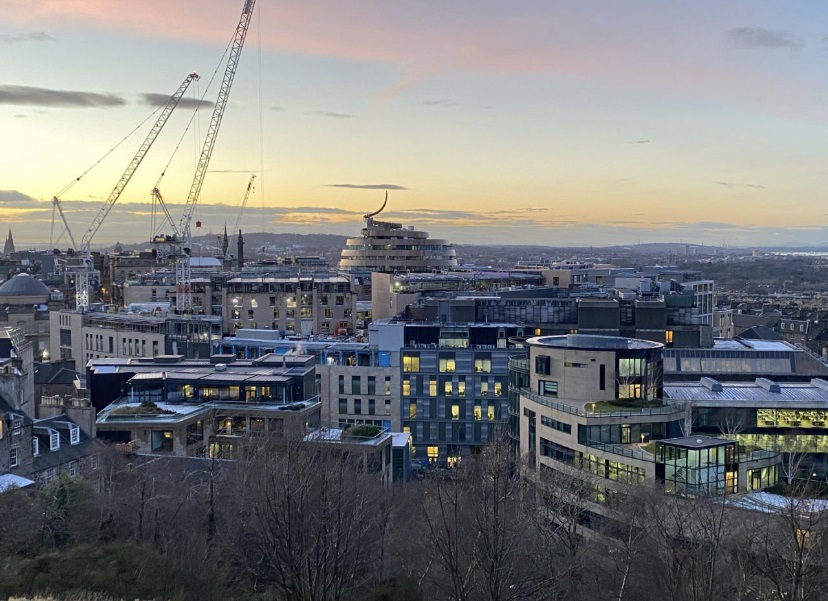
x=307, y=525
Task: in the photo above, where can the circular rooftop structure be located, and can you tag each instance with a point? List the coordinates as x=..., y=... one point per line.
x=23, y=289
x=591, y=342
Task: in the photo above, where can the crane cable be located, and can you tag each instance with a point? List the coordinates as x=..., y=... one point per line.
x=113, y=149
x=184, y=133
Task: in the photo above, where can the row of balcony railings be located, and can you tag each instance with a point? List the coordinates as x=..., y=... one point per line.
x=667, y=409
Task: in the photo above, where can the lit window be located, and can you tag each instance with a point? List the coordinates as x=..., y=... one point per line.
x=478, y=412
x=483, y=364
x=447, y=364
x=433, y=453
x=461, y=387
x=668, y=337
x=412, y=409
x=490, y=412
x=455, y=411
x=448, y=388
x=411, y=362
x=484, y=388
x=498, y=389
x=406, y=386
x=432, y=386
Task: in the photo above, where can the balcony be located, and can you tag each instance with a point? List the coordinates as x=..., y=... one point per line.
x=580, y=411
x=126, y=447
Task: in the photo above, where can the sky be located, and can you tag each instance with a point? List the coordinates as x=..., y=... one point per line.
x=488, y=122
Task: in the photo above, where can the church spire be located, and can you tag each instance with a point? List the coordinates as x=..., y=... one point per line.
x=225, y=242
x=8, y=248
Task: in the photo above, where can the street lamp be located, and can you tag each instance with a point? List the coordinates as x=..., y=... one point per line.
x=642, y=439
x=592, y=407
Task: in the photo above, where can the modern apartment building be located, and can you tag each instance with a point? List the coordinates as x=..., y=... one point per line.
x=198, y=408
x=592, y=405
x=390, y=248
x=453, y=384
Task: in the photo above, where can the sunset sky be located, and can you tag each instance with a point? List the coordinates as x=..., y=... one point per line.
x=542, y=122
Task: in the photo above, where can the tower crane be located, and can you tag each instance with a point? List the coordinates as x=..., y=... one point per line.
x=183, y=274
x=82, y=274
x=243, y=204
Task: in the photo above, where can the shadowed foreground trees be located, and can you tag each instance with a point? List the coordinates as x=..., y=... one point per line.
x=297, y=522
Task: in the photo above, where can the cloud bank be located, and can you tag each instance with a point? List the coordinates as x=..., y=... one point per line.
x=33, y=96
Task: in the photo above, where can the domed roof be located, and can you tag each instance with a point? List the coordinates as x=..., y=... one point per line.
x=24, y=285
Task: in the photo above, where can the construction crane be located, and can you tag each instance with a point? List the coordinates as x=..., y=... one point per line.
x=52, y=241
x=243, y=204
x=183, y=274
x=82, y=274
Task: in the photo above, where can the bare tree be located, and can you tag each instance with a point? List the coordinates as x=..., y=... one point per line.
x=308, y=525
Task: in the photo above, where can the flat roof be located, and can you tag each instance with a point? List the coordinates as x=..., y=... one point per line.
x=697, y=442
x=751, y=394
x=588, y=341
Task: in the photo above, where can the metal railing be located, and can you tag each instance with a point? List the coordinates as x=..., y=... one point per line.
x=623, y=450
x=573, y=410
x=519, y=363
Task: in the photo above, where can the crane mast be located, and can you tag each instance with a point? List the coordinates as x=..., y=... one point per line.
x=243, y=204
x=82, y=273
x=184, y=298
x=215, y=120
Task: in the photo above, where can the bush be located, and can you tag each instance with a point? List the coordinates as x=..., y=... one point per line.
x=362, y=431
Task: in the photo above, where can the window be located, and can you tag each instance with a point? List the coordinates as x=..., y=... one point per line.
x=483, y=363
x=455, y=411
x=358, y=406
x=412, y=409
x=668, y=337
x=54, y=441
x=447, y=364
x=372, y=385
x=602, y=377
x=547, y=388
x=35, y=446
x=341, y=384
x=356, y=385
x=491, y=412
x=498, y=389
x=484, y=388
x=543, y=365
x=93, y=462
x=432, y=386
x=411, y=362
x=72, y=468
x=461, y=387
x=372, y=407
x=14, y=457
x=387, y=385
x=433, y=453
x=478, y=413
x=343, y=406
x=387, y=406
x=74, y=435
x=559, y=426
x=17, y=427
x=406, y=386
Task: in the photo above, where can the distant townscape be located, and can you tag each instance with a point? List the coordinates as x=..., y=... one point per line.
x=389, y=416
x=394, y=377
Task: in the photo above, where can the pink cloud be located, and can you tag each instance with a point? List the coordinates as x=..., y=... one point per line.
x=680, y=51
